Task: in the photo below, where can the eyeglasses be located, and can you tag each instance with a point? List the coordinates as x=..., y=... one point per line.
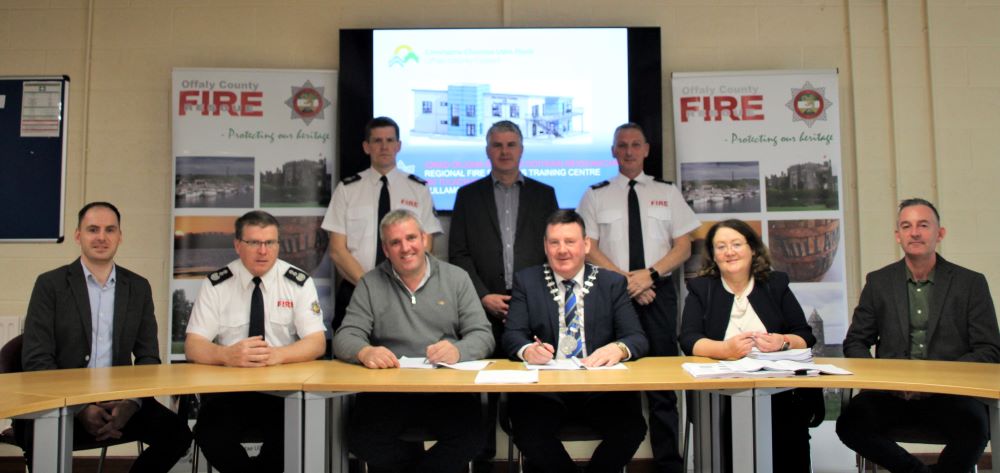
x=734, y=246
x=258, y=244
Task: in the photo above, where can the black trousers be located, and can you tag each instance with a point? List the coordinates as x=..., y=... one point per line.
x=537, y=417
x=340, y=302
x=165, y=433
x=659, y=321
x=963, y=421
x=226, y=419
x=453, y=419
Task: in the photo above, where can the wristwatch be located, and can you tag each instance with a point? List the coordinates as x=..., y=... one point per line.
x=621, y=346
x=786, y=345
x=653, y=273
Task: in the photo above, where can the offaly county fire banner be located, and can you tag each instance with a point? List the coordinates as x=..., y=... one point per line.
x=242, y=140
x=764, y=147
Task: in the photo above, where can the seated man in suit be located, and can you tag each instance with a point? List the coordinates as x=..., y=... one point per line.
x=413, y=305
x=591, y=318
x=93, y=313
x=925, y=308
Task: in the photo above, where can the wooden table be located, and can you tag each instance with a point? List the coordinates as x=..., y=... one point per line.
x=307, y=388
x=75, y=387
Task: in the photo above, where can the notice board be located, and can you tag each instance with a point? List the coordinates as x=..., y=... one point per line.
x=33, y=157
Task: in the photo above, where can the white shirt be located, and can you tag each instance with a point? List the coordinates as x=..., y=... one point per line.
x=665, y=216
x=742, y=317
x=222, y=311
x=353, y=210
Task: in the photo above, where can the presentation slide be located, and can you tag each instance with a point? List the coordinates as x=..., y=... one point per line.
x=567, y=89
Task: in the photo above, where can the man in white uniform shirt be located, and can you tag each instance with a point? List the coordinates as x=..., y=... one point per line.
x=639, y=226
x=257, y=311
x=359, y=203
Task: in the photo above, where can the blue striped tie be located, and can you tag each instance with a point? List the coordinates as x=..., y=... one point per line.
x=569, y=310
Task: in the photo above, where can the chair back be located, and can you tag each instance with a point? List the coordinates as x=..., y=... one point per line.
x=10, y=355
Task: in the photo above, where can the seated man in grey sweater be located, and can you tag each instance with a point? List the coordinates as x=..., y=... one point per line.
x=415, y=306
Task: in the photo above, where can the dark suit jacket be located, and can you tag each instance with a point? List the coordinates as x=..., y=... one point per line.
x=474, y=240
x=57, y=329
x=608, y=313
x=962, y=324
x=708, y=305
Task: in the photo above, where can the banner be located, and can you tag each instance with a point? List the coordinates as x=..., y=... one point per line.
x=764, y=147
x=248, y=139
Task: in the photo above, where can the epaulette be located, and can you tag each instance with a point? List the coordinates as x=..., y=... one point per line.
x=220, y=275
x=418, y=180
x=600, y=185
x=351, y=179
x=297, y=275
x=660, y=179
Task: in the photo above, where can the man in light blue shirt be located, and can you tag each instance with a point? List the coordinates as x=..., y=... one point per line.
x=93, y=313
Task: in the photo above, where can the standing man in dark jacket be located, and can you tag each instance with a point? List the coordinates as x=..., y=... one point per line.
x=496, y=230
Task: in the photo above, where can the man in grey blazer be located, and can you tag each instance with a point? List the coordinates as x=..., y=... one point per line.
x=496, y=230
x=921, y=307
x=93, y=313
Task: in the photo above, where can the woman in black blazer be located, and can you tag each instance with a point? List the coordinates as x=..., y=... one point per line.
x=738, y=303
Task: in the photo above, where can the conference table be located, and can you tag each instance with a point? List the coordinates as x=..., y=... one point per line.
x=314, y=394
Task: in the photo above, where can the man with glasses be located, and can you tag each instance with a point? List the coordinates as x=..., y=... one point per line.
x=362, y=200
x=257, y=311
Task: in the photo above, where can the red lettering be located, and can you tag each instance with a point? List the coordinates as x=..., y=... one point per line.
x=224, y=101
x=688, y=105
x=750, y=104
x=725, y=104
x=251, y=108
x=247, y=104
x=188, y=98
x=718, y=107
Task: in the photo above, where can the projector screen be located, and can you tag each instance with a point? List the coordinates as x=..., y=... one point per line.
x=566, y=88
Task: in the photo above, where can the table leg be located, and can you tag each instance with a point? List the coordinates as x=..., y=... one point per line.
x=744, y=429
x=994, y=405
x=53, y=448
x=293, y=430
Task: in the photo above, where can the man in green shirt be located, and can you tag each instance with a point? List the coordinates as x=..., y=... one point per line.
x=921, y=307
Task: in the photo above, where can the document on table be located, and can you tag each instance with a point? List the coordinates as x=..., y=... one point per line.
x=572, y=364
x=751, y=368
x=507, y=377
x=421, y=363
x=794, y=354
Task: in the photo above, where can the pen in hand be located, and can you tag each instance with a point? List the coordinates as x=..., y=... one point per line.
x=539, y=342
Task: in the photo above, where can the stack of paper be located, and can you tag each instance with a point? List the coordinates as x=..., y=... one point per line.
x=795, y=354
x=507, y=377
x=751, y=368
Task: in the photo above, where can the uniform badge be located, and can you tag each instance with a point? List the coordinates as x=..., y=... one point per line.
x=296, y=275
x=316, y=308
x=220, y=275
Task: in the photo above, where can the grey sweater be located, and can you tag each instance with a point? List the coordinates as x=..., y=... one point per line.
x=383, y=313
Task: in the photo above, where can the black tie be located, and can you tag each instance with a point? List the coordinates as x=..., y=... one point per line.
x=383, y=208
x=257, y=310
x=636, y=256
